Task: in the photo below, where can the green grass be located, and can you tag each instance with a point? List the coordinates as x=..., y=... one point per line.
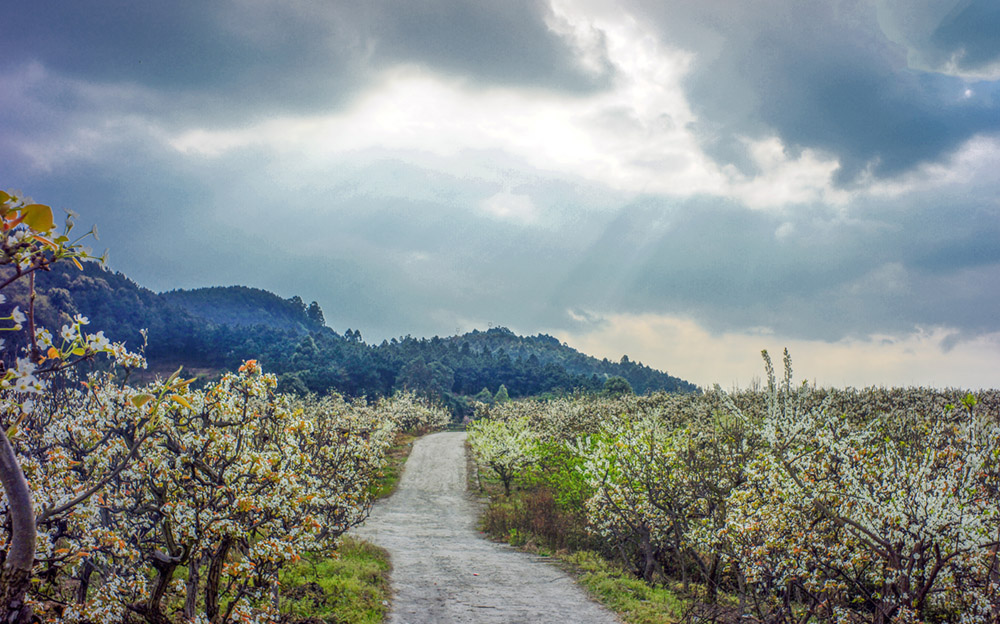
x=350, y=588
x=634, y=600
x=395, y=459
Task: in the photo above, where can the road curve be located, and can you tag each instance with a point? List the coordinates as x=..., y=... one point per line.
x=444, y=571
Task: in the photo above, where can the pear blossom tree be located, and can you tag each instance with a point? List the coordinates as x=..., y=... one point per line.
x=28, y=244
x=505, y=446
x=898, y=517
x=655, y=485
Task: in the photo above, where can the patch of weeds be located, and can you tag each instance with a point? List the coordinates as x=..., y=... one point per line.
x=534, y=515
x=352, y=587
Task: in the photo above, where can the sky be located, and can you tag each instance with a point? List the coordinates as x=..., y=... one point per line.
x=683, y=182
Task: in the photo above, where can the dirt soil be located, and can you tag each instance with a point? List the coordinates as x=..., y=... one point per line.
x=445, y=571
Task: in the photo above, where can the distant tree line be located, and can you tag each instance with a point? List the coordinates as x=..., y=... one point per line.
x=218, y=328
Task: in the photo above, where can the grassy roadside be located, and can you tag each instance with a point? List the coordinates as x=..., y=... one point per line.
x=631, y=598
x=530, y=520
x=352, y=586
x=395, y=459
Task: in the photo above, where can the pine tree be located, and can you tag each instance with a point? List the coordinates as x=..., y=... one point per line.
x=315, y=314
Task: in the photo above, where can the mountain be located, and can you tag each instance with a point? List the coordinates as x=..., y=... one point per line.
x=527, y=365
x=241, y=306
x=114, y=304
x=211, y=329
x=548, y=349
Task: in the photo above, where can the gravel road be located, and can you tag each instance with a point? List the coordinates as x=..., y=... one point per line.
x=445, y=571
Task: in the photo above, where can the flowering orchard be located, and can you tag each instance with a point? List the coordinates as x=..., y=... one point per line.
x=796, y=504
x=162, y=503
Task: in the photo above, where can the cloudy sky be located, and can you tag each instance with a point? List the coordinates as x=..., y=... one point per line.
x=683, y=182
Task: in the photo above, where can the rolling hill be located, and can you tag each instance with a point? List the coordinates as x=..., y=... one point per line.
x=216, y=328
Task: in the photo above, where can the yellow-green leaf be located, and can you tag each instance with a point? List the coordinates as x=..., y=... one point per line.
x=141, y=399
x=45, y=241
x=182, y=401
x=176, y=374
x=79, y=351
x=38, y=217
x=4, y=197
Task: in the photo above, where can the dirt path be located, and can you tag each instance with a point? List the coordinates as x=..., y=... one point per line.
x=444, y=571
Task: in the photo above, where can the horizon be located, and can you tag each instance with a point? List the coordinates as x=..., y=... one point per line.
x=684, y=184
x=752, y=379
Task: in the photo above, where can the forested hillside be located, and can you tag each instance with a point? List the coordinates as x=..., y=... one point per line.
x=247, y=307
x=210, y=329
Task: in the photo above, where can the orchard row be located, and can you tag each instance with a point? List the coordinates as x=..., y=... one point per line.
x=785, y=504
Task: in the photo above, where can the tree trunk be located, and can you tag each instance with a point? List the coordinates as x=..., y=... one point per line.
x=13, y=588
x=165, y=566
x=741, y=585
x=214, y=577
x=15, y=577
x=506, y=476
x=84, y=587
x=648, y=553
x=153, y=616
x=194, y=573
x=713, y=580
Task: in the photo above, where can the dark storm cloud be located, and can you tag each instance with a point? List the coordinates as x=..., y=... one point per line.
x=397, y=243
x=969, y=35
x=951, y=36
x=154, y=211
x=505, y=42
x=201, y=58
x=822, y=75
x=232, y=60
